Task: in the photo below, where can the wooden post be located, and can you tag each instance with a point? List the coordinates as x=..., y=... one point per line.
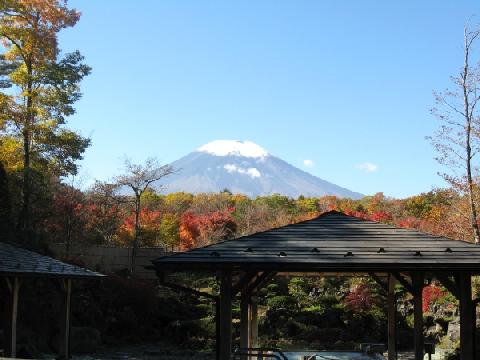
x=66, y=320
x=16, y=288
x=417, y=282
x=225, y=315
x=392, y=326
x=253, y=342
x=467, y=317
x=245, y=319
x=217, y=329
x=11, y=315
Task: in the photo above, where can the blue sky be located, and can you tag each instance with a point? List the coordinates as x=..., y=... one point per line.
x=345, y=84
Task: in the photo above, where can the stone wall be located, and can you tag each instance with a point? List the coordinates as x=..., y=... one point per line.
x=112, y=259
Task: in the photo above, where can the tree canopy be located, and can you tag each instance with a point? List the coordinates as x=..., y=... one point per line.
x=41, y=86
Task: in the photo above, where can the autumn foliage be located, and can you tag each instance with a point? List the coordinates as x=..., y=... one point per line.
x=362, y=297
x=150, y=228
x=430, y=295
x=184, y=221
x=197, y=230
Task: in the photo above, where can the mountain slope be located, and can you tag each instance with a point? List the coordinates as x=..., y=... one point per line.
x=244, y=167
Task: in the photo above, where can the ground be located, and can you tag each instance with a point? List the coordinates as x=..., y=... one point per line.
x=146, y=352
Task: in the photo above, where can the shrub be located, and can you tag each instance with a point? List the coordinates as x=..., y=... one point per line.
x=282, y=302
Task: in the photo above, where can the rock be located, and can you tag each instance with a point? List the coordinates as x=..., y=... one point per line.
x=85, y=340
x=453, y=332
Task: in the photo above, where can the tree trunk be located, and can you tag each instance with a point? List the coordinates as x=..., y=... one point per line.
x=136, y=234
x=468, y=117
x=473, y=209
x=25, y=221
x=68, y=237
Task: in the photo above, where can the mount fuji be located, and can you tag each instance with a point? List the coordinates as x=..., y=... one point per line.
x=245, y=167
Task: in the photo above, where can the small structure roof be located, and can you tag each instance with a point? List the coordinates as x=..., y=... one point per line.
x=15, y=261
x=331, y=242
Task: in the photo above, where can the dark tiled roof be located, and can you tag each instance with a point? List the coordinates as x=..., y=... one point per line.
x=331, y=242
x=15, y=261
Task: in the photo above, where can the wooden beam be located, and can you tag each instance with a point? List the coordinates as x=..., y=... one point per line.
x=225, y=348
x=243, y=282
x=260, y=280
x=178, y=287
x=418, y=284
x=392, y=319
x=319, y=274
x=379, y=281
x=449, y=284
x=404, y=282
x=467, y=317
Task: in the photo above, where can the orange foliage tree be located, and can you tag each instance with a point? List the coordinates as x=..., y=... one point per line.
x=149, y=235
x=198, y=230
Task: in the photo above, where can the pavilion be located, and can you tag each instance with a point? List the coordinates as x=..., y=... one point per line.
x=335, y=244
x=18, y=264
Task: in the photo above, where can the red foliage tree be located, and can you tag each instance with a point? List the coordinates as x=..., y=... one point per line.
x=431, y=294
x=359, y=214
x=380, y=216
x=149, y=229
x=197, y=230
x=361, y=298
x=67, y=220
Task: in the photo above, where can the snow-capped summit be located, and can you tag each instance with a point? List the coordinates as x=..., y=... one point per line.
x=234, y=148
x=247, y=168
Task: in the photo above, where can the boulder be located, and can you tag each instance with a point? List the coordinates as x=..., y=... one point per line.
x=453, y=332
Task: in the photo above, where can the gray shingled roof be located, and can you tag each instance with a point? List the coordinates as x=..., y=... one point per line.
x=331, y=242
x=15, y=261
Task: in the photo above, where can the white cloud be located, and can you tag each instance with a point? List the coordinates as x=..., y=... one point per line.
x=308, y=163
x=252, y=172
x=367, y=166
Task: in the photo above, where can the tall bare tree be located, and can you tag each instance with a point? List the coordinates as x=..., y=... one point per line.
x=138, y=178
x=457, y=141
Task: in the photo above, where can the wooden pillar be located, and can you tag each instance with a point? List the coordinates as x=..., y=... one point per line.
x=11, y=315
x=245, y=319
x=253, y=341
x=418, y=283
x=66, y=321
x=217, y=329
x=467, y=317
x=15, y=291
x=245, y=323
x=392, y=319
x=225, y=347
